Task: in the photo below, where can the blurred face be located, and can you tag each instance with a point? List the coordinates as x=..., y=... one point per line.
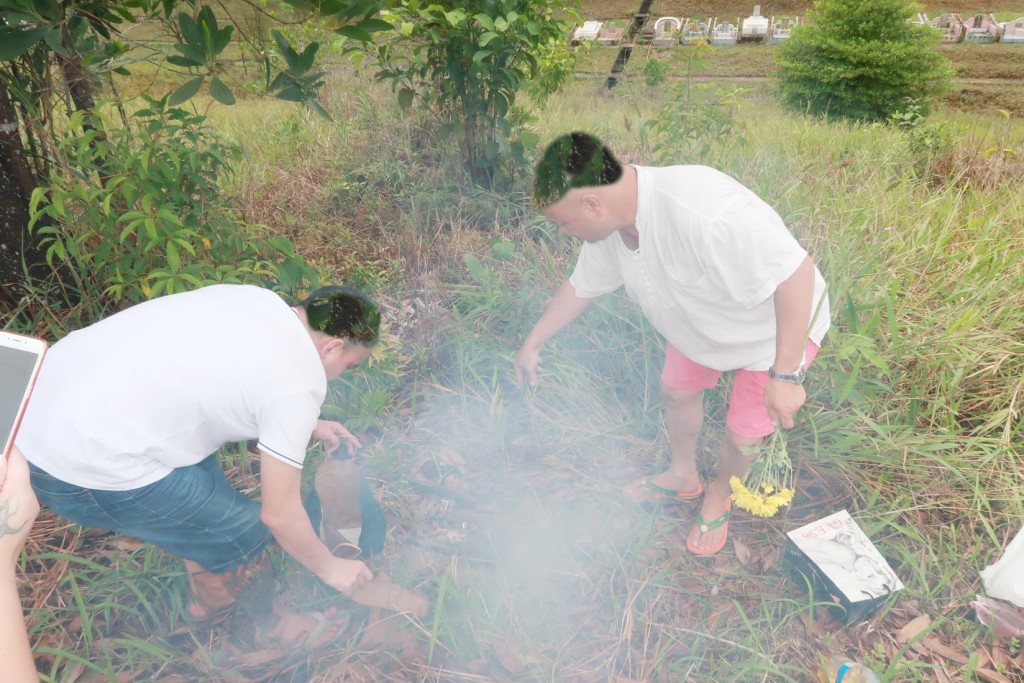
x=582, y=215
x=339, y=355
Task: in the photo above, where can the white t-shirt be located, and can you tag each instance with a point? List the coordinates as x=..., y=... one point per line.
x=163, y=384
x=711, y=255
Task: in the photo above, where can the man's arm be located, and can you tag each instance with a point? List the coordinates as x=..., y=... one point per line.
x=287, y=520
x=793, y=301
x=563, y=309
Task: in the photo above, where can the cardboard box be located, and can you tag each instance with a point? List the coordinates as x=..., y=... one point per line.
x=842, y=566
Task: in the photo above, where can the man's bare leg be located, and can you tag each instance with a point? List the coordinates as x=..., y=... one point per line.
x=733, y=461
x=684, y=416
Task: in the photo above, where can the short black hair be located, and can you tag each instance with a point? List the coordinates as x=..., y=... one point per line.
x=343, y=312
x=570, y=161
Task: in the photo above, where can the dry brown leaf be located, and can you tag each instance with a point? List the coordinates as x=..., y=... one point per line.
x=476, y=666
x=451, y=457
x=387, y=630
x=692, y=586
x=771, y=558
x=123, y=677
x=675, y=542
x=812, y=627
x=991, y=676
x=943, y=650
x=914, y=628
x=984, y=661
x=723, y=563
x=1000, y=657
x=742, y=552
x=941, y=676
x=257, y=658
x=509, y=656
x=920, y=649
x=382, y=593
x=76, y=672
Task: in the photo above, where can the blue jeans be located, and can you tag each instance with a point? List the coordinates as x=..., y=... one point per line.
x=194, y=512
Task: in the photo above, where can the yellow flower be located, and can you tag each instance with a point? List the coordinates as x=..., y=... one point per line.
x=765, y=489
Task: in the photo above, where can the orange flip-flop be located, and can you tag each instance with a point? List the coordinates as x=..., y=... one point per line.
x=702, y=527
x=645, y=490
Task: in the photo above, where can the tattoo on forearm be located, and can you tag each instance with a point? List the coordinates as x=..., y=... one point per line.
x=8, y=509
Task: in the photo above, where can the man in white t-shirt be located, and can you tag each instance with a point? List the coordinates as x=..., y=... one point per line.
x=126, y=413
x=717, y=273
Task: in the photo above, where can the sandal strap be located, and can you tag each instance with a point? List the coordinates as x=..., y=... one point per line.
x=715, y=523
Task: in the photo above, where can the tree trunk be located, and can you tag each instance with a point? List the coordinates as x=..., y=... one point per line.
x=16, y=185
x=76, y=78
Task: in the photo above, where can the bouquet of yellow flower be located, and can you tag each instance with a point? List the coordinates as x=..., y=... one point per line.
x=768, y=484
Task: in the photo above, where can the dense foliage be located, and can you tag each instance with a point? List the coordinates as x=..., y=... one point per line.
x=158, y=222
x=861, y=60
x=465, y=61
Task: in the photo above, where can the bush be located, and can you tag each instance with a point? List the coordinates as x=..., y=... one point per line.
x=861, y=60
x=699, y=125
x=156, y=221
x=465, y=62
x=655, y=72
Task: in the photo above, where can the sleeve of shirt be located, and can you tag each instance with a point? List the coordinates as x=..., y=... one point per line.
x=286, y=424
x=596, y=271
x=749, y=252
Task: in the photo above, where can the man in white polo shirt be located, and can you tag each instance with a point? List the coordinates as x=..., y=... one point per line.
x=126, y=413
x=717, y=273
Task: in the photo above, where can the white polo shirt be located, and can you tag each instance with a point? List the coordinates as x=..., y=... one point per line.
x=711, y=255
x=163, y=384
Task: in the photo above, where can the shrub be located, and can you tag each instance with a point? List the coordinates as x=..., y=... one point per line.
x=465, y=61
x=861, y=60
x=156, y=221
x=697, y=126
x=925, y=142
x=655, y=72
x=942, y=155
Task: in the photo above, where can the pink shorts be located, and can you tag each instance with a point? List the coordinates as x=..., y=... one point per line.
x=747, y=414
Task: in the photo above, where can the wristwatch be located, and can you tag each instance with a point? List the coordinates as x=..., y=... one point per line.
x=795, y=377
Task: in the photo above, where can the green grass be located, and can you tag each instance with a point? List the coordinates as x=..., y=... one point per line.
x=913, y=422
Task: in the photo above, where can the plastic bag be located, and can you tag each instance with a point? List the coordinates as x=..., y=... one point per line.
x=1005, y=578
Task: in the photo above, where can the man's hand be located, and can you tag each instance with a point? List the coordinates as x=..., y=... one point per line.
x=332, y=434
x=783, y=399
x=346, y=575
x=527, y=362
